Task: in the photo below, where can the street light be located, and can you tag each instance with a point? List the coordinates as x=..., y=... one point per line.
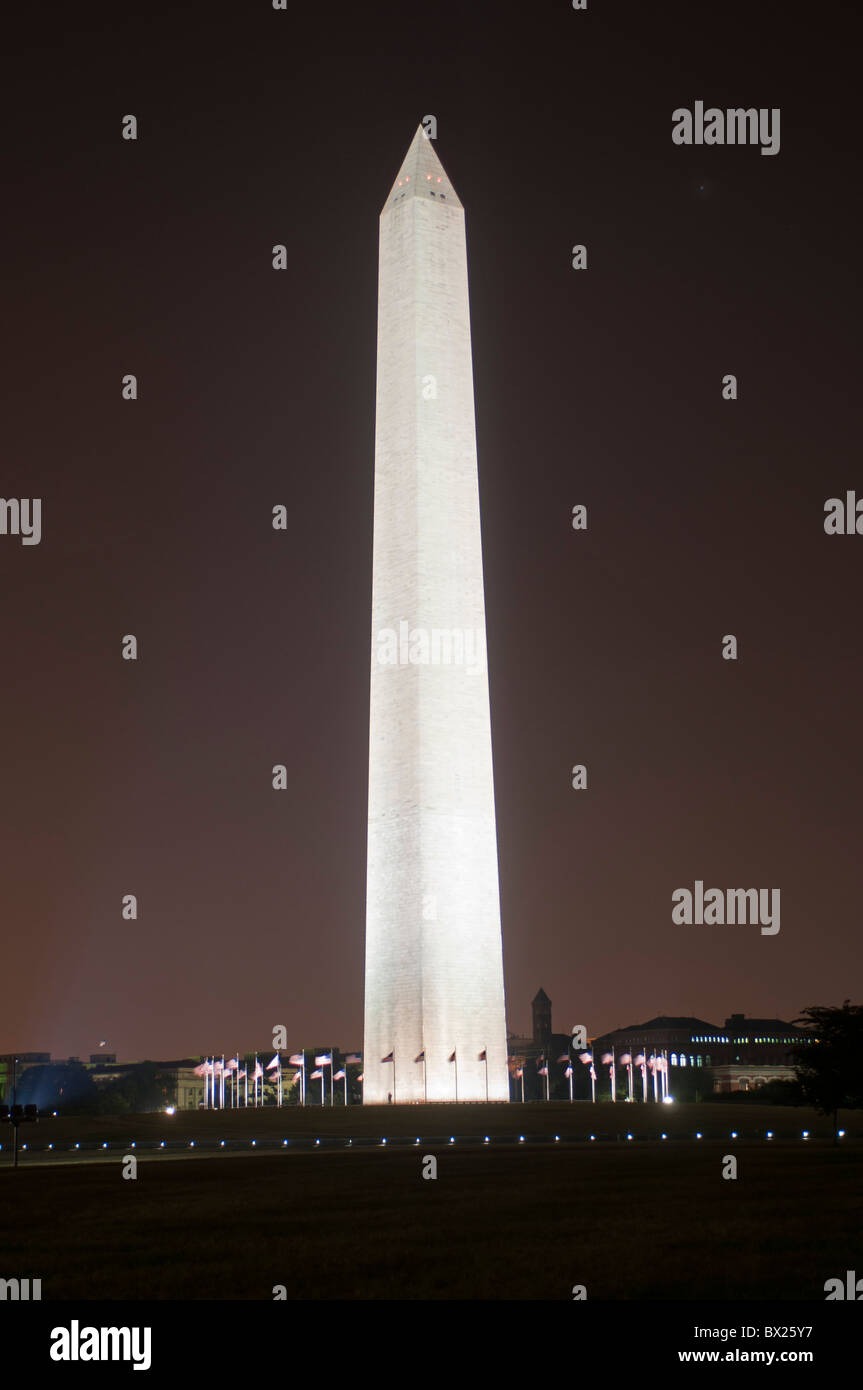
x=16, y=1115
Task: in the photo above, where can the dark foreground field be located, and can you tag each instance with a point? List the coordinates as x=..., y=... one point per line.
x=630, y=1220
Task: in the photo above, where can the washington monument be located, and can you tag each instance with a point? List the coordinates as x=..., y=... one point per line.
x=435, y=1026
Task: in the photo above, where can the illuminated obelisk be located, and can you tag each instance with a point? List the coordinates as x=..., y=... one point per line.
x=434, y=999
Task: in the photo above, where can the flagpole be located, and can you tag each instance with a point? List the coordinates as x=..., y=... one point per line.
x=455, y=1054
x=485, y=1050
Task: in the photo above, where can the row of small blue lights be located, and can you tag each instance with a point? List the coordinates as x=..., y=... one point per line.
x=397, y=1141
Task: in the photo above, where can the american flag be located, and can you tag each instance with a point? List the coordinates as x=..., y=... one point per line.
x=316, y=1075
x=353, y=1058
x=388, y=1058
x=421, y=1057
x=276, y=1062
x=296, y=1059
x=482, y=1056
x=340, y=1075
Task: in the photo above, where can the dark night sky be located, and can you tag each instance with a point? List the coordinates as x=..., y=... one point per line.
x=257, y=388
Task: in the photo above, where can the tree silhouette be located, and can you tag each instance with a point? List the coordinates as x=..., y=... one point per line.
x=830, y=1067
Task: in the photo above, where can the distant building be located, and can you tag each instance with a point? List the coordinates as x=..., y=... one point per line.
x=541, y=1010
x=57, y=1082
x=743, y=1076
x=25, y=1059
x=185, y=1090
x=742, y=1054
x=528, y=1054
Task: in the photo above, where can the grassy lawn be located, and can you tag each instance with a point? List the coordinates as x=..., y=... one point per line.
x=630, y=1221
